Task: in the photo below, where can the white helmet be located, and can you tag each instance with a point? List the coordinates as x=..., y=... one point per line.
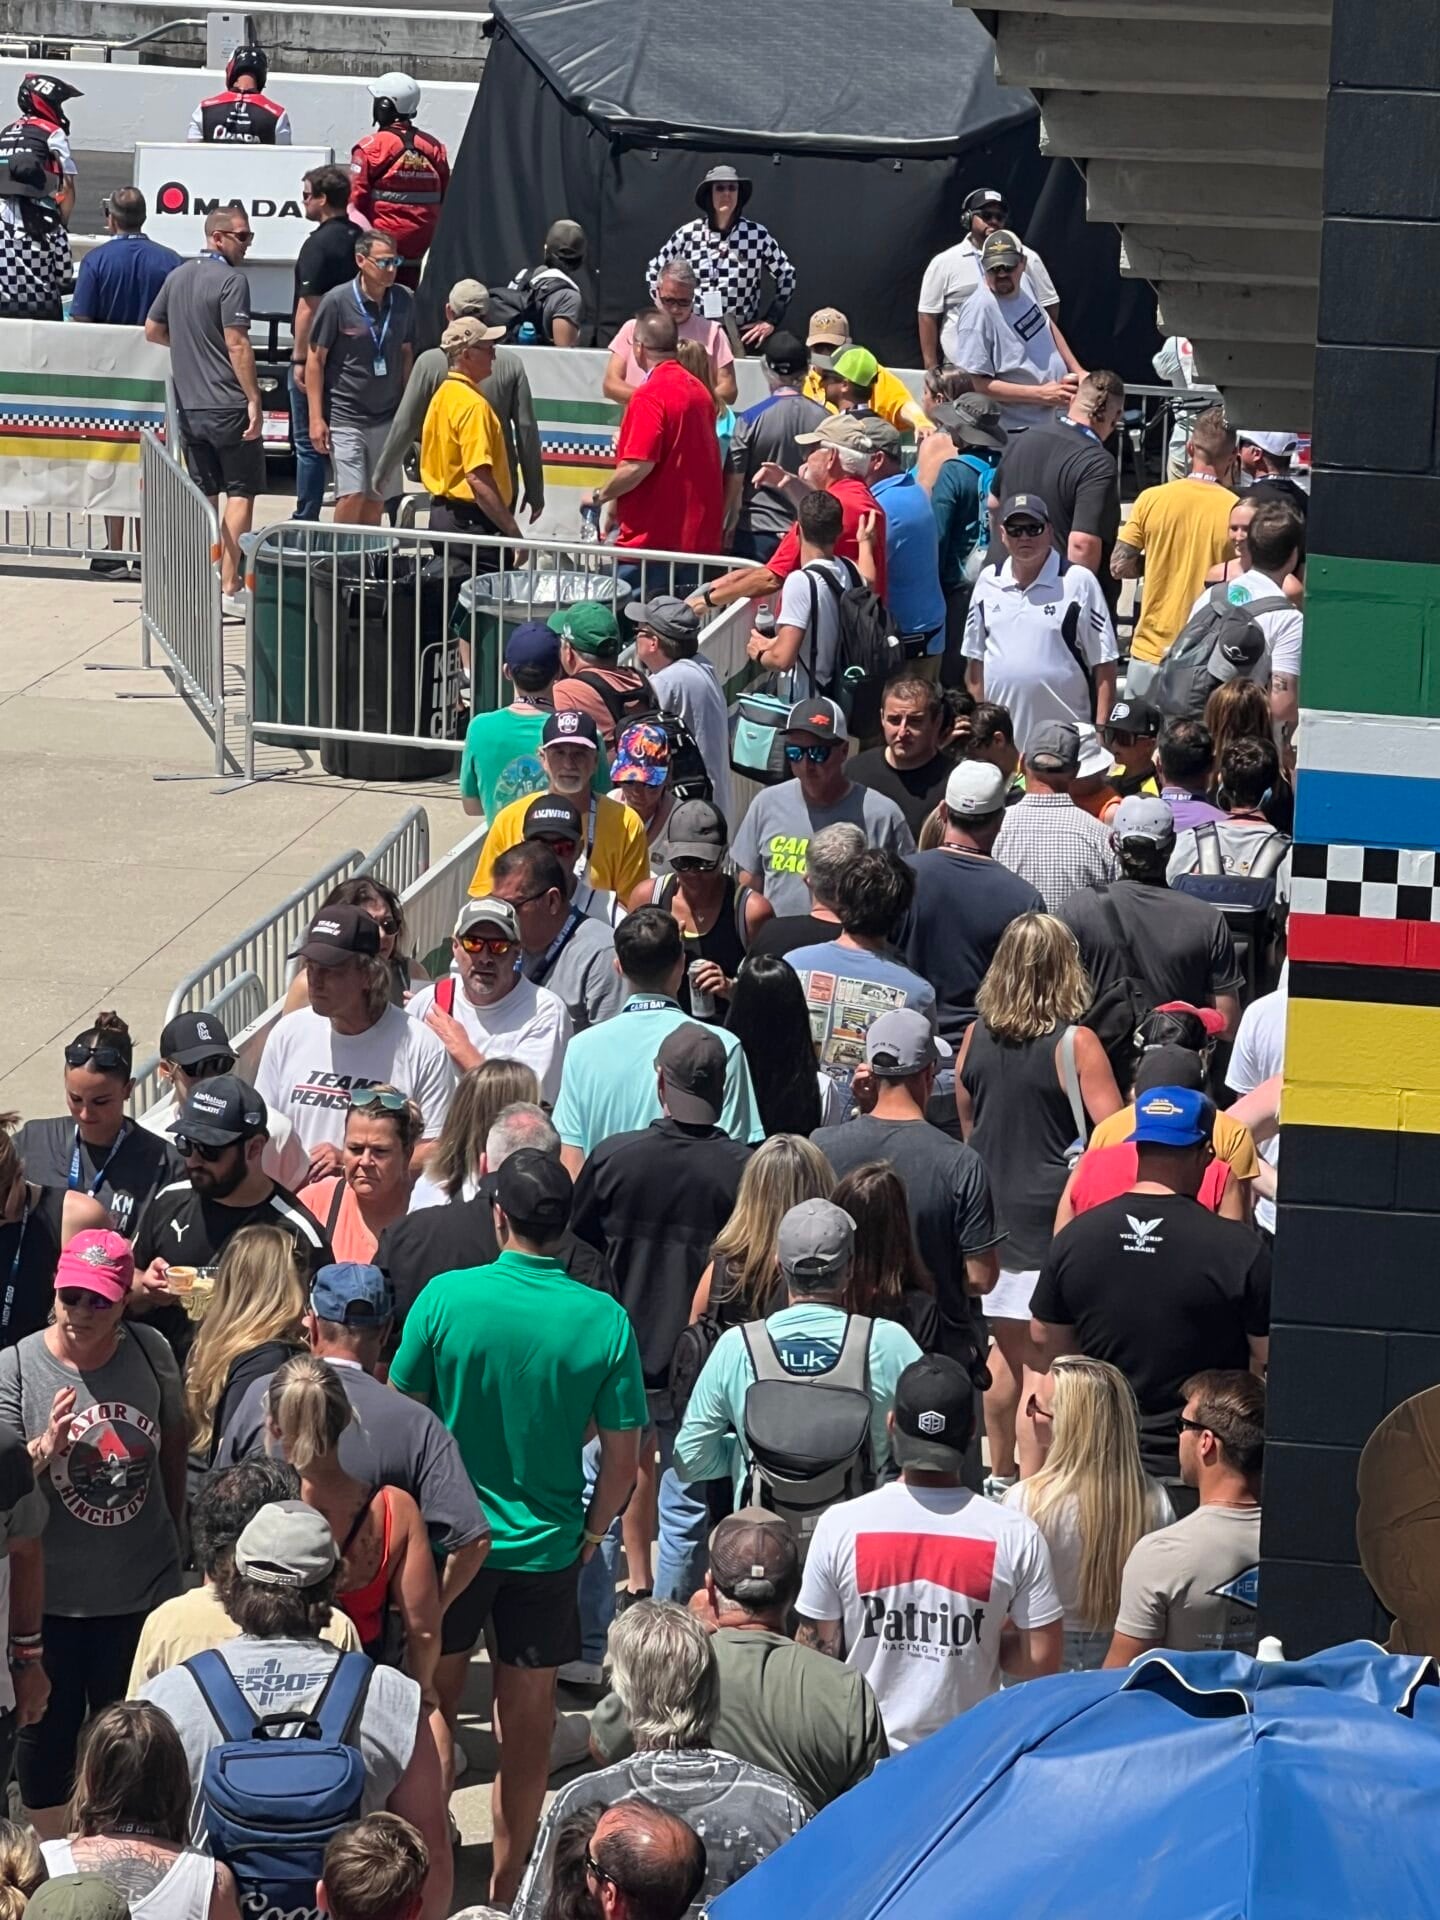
x=397, y=91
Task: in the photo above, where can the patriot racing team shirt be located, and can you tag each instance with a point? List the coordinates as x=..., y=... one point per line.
x=923, y=1579
x=308, y=1071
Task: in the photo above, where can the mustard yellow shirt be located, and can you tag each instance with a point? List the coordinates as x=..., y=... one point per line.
x=619, y=859
x=462, y=433
x=889, y=397
x=1233, y=1142
x=1183, y=529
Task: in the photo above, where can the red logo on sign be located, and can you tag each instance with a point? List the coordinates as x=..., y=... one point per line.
x=886, y=1560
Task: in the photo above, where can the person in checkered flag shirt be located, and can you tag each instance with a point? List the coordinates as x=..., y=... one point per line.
x=35, y=266
x=730, y=255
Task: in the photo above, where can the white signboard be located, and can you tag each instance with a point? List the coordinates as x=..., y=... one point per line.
x=185, y=181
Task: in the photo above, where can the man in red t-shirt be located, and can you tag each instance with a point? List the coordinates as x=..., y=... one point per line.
x=840, y=454
x=667, y=486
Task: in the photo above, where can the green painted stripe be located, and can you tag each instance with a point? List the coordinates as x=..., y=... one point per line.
x=1380, y=620
x=589, y=413
x=81, y=386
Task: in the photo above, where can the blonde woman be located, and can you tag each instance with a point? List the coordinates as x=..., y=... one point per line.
x=452, y=1171
x=1092, y=1499
x=251, y=1328
x=1015, y=1112
x=743, y=1276
x=22, y=1868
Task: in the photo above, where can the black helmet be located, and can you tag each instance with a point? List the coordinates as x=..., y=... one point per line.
x=43, y=97
x=251, y=60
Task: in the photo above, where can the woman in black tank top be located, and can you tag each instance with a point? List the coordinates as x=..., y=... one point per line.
x=716, y=916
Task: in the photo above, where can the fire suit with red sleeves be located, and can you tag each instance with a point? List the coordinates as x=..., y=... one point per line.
x=398, y=177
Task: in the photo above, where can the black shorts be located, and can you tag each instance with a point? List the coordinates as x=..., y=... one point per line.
x=536, y=1616
x=220, y=458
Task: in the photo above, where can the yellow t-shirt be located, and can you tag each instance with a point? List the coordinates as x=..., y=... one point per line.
x=619, y=859
x=889, y=397
x=462, y=433
x=1233, y=1142
x=195, y=1621
x=1183, y=529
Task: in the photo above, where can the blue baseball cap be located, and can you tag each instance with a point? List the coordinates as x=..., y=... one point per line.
x=532, y=644
x=1173, y=1117
x=352, y=1294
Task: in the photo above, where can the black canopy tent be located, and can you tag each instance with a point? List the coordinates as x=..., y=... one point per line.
x=862, y=126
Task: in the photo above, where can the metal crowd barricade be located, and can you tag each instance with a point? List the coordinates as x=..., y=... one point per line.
x=45, y=533
x=403, y=855
x=379, y=637
x=180, y=585
x=241, y=1003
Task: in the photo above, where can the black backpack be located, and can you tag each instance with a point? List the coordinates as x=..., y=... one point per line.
x=1115, y=1014
x=1246, y=901
x=1184, y=683
x=867, y=649
x=524, y=300
x=689, y=776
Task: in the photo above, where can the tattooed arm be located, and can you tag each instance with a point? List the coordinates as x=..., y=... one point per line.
x=826, y=1636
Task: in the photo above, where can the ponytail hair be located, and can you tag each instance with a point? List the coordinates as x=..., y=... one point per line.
x=310, y=1409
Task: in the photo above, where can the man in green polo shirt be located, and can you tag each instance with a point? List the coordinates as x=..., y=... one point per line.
x=518, y=1360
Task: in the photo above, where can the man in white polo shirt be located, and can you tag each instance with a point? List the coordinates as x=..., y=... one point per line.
x=952, y=276
x=1038, y=638
x=1010, y=346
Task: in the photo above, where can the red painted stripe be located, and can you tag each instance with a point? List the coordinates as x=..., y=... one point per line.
x=22, y=431
x=1349, y=942
x=885, y=1560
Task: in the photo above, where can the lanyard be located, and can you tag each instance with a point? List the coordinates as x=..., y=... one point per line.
x=1079, y=426
x=541, y=971
x=377, y=340
x=648, y=1002
x=9, y=1305
x=582, y=862
x=73, y=1183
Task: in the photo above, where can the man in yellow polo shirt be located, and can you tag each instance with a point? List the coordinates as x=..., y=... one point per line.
x=463, y=460
x=616, y=854
x=862, y=382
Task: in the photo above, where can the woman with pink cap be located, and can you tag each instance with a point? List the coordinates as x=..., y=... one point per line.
x=98, y=1402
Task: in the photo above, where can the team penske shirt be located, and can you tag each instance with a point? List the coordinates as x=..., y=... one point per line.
x=923, y=1579
x=308, y=1071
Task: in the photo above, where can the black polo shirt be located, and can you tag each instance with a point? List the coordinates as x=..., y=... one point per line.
x=917, y=791
x=1076, y=476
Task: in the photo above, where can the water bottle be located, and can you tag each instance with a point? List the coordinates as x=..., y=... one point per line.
x=765, y=622
x=527, y=336
x=590, y=523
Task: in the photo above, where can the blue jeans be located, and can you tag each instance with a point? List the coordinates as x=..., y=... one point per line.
x=683, y=1555
x=312, y=469
x=598, y=1575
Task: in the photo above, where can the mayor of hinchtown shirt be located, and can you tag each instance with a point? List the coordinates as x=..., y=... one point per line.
x=308, y=1071
x=922, y=1580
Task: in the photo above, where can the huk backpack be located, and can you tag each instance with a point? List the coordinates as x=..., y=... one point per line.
x=282, y=1785
x=1247, y=902
x=524, y=301
x=808, y=1435
x=867, y=651
x=1185, y=682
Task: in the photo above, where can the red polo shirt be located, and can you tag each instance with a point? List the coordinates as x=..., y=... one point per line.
x=680, y=506
x=855, y=499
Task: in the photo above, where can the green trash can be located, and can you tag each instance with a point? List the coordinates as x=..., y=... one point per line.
x=288, y=683
x=488, y=605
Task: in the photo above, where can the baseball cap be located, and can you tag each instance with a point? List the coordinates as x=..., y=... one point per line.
x=566, y=240
x=1236, y=651
x=1140, y=816
x=573, y=726
x=338, y=935
x=467, y=331
x=754, y=1556
x=900, y=1043
x=785, y=353
x=1095, y=756
x=353, y=1294
x=1172, y=1117
x=1169, y=1066
x=841, y=430
x=588, y=626
x=934, y=1414
x=642, y=755
x=1025, y=503
x=192, y=1037
x=697, y=832
x=79, y=1896
x=532, y=644
x=692, y=1059
x=1054, y=745
x=828, y=328
x=974, y=419
x=1002, y=249
x=819, y=717
x=534, y=1191
x=548, y=818
x=287, y=1544
x=857, y=365
x=886, y=438
x=671, y=618
x=975, y=790
x=1210, y=1018
x=489, y=912
x=982, y=197
x=99, y=1261
x=1137, y=716
x=221, y=1111
x=816, y=1240
x=469, y=299
x=1278, y=445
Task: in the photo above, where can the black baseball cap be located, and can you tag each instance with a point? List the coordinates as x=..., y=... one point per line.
x=534, y=1192
x=192, y=1037
x=983, y=197
x=573, y=726
x=786, y=353
x=221, y=1111
x=338, y=935
x=1133, y=715
x=934, y=1414
x=1028, y=505
x=755, y=1557
x=692, y=1059
x=547, y=818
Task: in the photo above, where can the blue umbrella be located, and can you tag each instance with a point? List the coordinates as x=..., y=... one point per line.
x=1190, y=1786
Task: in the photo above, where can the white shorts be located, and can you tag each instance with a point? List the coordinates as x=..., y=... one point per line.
x=355, y=450
x=1009, y=1299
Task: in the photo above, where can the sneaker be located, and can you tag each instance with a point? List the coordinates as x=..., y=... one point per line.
x=570, y=1742
x=626, y=1598
x=112, y=565
x=581, y=1673
x=234, y=605
x=997, y=1485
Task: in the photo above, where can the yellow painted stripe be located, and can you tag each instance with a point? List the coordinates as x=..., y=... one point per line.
x=567, y=476
x=112, y=453
x=1360, y=1064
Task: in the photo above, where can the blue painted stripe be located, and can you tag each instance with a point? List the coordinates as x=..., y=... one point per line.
x=1357, y=809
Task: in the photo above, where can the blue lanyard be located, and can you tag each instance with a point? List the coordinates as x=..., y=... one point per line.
x=73, y=1183
x=377, y=339
x=540, y=972
x=1079, y=426
x=9, y=1307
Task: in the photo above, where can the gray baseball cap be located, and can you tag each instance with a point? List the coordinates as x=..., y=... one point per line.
x=287, y=1544
x=1139, y=817
x=901, y=1043
x=816, y=1241
x=1054, y=745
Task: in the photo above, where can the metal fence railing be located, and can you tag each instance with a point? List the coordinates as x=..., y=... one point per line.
x=240, y=1004
x=44, y=533
x=180, y=588
x=403, y=855
x=383, y=638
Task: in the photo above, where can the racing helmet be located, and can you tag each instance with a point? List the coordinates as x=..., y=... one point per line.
x=43, y=97
x=396, y=97
x=252, y=60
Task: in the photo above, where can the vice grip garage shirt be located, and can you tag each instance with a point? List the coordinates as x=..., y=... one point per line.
x=308, y=1071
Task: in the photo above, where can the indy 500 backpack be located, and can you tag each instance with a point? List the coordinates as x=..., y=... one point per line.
x=1246, y=900
x=1184, y=683
x=282, y=1785
x=522, y=303
x=808, y=1435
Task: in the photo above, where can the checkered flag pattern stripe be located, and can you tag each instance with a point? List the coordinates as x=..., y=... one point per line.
x=1371, y=883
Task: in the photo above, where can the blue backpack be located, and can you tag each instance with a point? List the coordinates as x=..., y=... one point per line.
x=272, y=1800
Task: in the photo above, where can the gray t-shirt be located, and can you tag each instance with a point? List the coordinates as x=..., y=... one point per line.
x=764, y=432
x=286, y=1676
x=1009, y=339
x=691, y=688
x=110, y=1544
x=357, y=337
x=1195, y=1586
x=583, y=974
x=776, y=833
x=199, y=300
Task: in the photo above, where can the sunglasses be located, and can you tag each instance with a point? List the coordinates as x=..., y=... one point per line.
x=189, y=1149
x=816, y=755
x=379, y=1097
x=207, y=1069
x=564, y=849
x=484, y=943
x=236, y=233
x=529, y=899
x=389, y=265
x=677, y=303
x=686, y=864
x=1182, y=1425
x=83, y=1297
x=1118, y=737
x=106, y=1056
x=1024, y=529
x=992, y=216
x=592, y=1865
